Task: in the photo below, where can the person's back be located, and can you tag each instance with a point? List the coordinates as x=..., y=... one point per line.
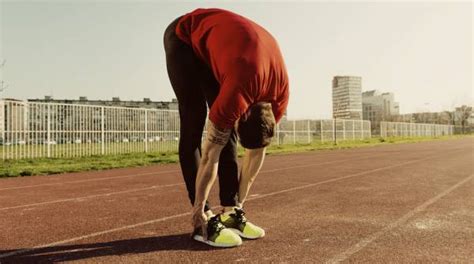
x=241, y=54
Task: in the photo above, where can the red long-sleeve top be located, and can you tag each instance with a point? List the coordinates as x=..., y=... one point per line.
x=245, y=60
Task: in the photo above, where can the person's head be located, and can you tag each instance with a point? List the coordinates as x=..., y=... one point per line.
x=256, y=127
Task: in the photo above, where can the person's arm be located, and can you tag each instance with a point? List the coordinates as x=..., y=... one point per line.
x=252, y=163
x=216, y=139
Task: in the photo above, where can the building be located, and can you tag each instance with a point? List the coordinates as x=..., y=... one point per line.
x=346, y=97
x=146, y=103
x=13, y=121
x=377, y=107
x=444, y=118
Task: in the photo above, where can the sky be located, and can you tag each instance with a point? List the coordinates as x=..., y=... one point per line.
x=420, y=51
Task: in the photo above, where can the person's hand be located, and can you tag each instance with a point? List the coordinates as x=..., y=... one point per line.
x=199, y=220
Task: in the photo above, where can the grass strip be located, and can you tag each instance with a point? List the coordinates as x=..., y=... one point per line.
x=48, y=166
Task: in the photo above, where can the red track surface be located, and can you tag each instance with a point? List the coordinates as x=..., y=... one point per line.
x=397, y=203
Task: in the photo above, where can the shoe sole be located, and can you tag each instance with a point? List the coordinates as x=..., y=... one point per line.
x=214, y=244
x=238, y=232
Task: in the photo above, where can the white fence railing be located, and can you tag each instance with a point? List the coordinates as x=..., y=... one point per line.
x=307, y=131
x=398, y=129
x=43, y=130
x=33, y=130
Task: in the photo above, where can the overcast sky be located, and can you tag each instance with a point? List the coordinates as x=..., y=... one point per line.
x=422, y=52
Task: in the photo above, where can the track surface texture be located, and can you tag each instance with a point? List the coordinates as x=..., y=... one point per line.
x=401, y=203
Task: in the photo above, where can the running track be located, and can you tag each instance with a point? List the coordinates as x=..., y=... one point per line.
x=392, y=203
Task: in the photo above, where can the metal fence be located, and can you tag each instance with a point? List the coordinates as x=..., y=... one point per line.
x=463, y=130
x=308, y=131
x=43, y=130
x=33, y=130
x=398, y=129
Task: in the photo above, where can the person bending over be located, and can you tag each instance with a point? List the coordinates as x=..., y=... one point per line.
x=220, y=60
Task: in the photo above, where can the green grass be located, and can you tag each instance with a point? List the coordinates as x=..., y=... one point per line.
x=84, y=149
x=44, y=166
x=376, y=141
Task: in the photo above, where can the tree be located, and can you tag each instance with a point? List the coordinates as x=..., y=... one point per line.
x=464, y=113
x=451, y=117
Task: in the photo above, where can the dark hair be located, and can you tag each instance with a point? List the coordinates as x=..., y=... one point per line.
x=256, y=126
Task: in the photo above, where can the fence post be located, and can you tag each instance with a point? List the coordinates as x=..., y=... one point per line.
x=369, y=130
x=321, y=130
x=278, y=133
x=362, y=131
x=2, y=126
x=309, y=132
x=344, y=129
x=334, y=131
x=146, y=130
x=353, y=130
x=48, y=133
x=102, y=130
x=294, y=132
x=26, y=128
x=383, y=129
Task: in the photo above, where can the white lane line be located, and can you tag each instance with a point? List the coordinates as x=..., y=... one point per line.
x=88, y=180
x=128, y=176
x=317, y=164
x=13, y=253
x=21, y=251
x=344, y=177
x=78, y=199
x=134, y=175
x=108, y=178
x=156, y=186
x=369, y=239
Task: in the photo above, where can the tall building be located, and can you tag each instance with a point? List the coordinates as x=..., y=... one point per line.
x=346, y=97
x=378, y=107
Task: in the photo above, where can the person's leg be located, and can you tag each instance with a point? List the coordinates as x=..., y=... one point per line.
x=228, y=170
x=183, y=71
x=229, y=173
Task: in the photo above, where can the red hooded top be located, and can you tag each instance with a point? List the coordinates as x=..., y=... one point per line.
x=245, y=60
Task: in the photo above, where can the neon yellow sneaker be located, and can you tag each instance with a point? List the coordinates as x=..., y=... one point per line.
x=236, y=221
x=217, y=235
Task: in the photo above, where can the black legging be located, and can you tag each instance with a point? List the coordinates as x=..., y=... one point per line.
x=194, y=84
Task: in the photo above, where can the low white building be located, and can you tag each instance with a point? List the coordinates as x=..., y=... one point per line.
x=378, y=107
